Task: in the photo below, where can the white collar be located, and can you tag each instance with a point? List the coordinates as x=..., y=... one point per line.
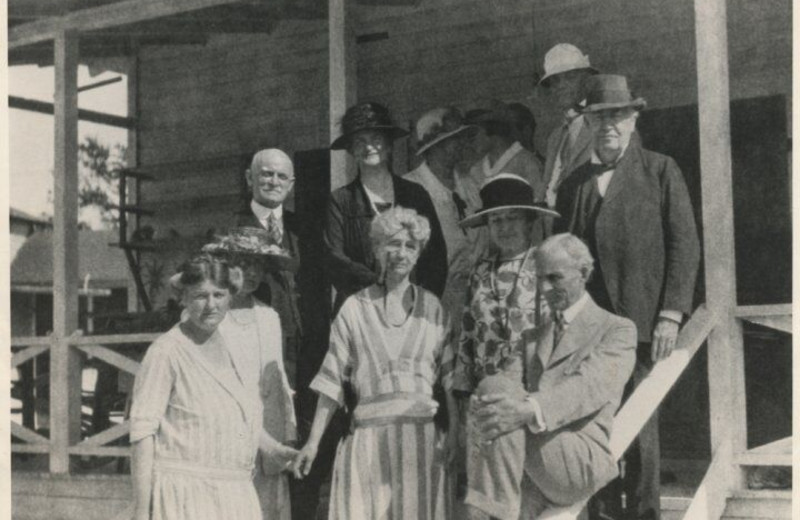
x=510, y=153
x=573, y=310
x=262, y=212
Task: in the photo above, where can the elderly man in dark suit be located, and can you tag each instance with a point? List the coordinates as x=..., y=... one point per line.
x=576, y=367
x=271, y=180
x=632, y=208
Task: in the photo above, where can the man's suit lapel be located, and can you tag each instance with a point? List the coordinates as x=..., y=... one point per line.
x=580, y=333
x=625, y=172
x=246, y=218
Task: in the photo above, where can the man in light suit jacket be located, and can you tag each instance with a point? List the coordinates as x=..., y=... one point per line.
x=566, y=69
x=577, y=364
x=631, y=206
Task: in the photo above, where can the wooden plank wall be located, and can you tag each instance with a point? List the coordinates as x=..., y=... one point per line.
x=242, y=92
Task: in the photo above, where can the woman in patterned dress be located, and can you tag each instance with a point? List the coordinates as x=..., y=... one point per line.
x=195, y=424
x=387, y=342
x=502, y=311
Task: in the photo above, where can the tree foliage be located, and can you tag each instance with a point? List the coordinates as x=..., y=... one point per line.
x=98, y=188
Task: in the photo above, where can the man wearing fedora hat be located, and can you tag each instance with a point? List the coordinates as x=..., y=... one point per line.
x=566, y=69
x=632, y=208
x=505, y=153
x=441, y=135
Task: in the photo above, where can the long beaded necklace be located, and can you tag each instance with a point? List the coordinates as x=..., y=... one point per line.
x=386, y=308
x=496, y=291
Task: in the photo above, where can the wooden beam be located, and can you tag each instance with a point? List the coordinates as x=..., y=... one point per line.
x=781, y=309
x=65, y=377
x=29, y=436
x=27, y=354
x=106, y=436
x=709, y=500
x=725, y=348
x=114, y=359
x=342, y=84
x=115, y=339
x=105, y=17
x=44, y=107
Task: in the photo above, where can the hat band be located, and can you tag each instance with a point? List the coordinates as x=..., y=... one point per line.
x=609, y=96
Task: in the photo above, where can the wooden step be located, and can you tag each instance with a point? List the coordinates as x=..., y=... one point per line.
x=750, y=504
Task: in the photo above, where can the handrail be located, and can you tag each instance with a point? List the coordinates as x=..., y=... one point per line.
x=777, y=309
x=79, y=339
x=648, y=396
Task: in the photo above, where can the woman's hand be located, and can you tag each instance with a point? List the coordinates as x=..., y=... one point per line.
x=301, y=466
x=285, y=456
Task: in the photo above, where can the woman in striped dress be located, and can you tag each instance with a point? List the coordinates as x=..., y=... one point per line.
x=387, y=342
x=195, y=425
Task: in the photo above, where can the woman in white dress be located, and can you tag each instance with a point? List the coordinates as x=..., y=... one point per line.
x=252, y=331
x=196, y=425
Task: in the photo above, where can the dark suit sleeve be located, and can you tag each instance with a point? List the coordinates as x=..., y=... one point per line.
x=682, y=246
x=598, y=379
x=346, y=275
x=431, y=270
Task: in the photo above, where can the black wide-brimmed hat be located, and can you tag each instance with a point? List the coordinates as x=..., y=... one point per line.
x=506, y=191
x=366, y=116
x=609, y=91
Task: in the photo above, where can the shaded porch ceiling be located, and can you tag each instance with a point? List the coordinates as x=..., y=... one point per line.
x=192, y=27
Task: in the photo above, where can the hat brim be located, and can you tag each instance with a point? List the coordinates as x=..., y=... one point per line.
x=444, y=136
x=638, y=104
x=479, y=218
x=547, y=77
x=342, y=142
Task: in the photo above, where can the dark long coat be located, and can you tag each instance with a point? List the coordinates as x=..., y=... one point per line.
x=350, y=263
x=646, y=235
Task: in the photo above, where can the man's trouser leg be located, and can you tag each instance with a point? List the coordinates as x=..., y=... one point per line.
x=642, y=479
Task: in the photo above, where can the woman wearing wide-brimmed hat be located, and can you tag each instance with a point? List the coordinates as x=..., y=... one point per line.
x=252, y=331
x=502, y=310
x=368, y=134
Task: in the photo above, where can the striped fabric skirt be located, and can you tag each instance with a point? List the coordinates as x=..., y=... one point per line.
x=183, y=490
x=390, y=468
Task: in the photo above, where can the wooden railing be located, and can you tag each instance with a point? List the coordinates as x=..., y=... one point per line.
x=97, y=347
x=648, y=395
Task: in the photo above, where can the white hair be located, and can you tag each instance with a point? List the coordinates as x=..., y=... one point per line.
x=573, y=246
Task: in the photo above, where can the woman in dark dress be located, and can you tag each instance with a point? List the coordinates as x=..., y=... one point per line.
x=367, y=134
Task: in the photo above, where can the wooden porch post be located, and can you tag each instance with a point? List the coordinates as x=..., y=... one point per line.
x=725, y=350
x=342, y=83
x=65, y=377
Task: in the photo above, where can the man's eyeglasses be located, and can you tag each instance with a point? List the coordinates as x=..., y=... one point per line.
x=280, y=176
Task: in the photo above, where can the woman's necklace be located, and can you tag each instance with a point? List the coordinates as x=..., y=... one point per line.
x=408, y=312
x=496, y=291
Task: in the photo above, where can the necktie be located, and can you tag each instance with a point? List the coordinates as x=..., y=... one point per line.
x=273, y=231
x=558, y=327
